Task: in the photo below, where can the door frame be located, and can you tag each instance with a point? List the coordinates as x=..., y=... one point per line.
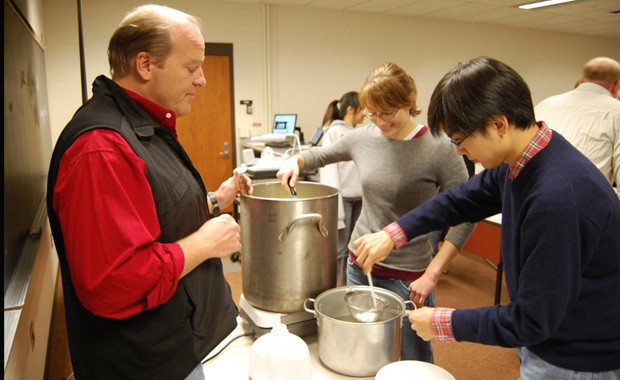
x=226, y=49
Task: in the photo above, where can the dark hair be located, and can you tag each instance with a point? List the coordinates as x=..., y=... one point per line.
x=472, y=93
x=335, y=112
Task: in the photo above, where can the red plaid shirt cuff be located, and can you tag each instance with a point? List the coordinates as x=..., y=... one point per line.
x=441, y=322
x=397, y=234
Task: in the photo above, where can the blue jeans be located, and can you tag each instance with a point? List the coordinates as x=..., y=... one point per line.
x=412, y=346
x=352, y=209
x=535, y=368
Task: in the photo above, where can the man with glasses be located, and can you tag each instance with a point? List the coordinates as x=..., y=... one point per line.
x=560, y=224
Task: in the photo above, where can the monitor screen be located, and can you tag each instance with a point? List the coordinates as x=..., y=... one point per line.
x=316, y=138
x=284, y=123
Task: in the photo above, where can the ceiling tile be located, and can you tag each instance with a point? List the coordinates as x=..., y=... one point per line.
x=579, y=7
x=335, y=4
x=421, y=7
x=381, y=6
x=454, y=12
x=499, y=3
x=290, y=2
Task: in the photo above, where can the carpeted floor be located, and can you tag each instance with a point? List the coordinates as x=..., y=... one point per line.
x=470, y=283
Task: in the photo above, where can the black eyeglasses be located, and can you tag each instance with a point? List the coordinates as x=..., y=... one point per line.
x=458, y=143
x=387, y=116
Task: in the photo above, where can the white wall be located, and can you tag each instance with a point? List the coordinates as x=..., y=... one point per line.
x=241, y=26
x=292, y=59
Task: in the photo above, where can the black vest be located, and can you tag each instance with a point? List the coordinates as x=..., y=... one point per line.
x=168, y=341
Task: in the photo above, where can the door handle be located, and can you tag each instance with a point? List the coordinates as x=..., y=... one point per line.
x=226, y=152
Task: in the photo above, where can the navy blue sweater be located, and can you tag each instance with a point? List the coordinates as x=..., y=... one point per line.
x=561, y=254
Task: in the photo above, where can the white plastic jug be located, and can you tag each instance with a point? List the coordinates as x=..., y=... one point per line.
x=280, y=355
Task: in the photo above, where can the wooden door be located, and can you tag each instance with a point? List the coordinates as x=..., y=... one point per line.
x=207, y=132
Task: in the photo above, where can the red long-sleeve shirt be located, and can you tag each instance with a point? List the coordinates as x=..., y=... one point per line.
x=109, y=223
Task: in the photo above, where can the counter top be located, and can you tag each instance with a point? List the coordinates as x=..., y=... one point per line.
x=234, y=361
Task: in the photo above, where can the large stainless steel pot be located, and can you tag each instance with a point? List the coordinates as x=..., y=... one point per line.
x=289, y=244
x=351, y=347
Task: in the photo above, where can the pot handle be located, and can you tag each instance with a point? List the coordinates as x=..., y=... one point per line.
x=410, y=302
x=307, y=308
x=305, y=218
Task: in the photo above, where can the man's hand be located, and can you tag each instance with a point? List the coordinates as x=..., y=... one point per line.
x=421, y=322
x=228, y=190
x=218, y=237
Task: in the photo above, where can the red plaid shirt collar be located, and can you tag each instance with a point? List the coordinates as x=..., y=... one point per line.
x=538, y=143
x=161, y=115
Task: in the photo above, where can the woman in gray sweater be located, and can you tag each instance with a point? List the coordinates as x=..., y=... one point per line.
x=401, y=165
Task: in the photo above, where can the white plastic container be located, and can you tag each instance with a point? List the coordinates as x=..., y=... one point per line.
x=280, y=355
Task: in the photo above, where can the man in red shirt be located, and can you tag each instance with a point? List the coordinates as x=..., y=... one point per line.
x=138, y=236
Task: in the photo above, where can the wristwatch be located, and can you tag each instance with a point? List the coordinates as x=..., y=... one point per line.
x=214, y=203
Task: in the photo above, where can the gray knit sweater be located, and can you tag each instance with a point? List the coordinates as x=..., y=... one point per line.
x=397, y=176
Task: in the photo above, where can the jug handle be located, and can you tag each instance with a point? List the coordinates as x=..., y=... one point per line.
x=317, y=218
x=307, y=308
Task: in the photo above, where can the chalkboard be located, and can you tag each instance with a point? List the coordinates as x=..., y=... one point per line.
x=27, y=137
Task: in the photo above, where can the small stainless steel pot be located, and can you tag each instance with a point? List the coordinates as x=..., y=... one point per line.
x=351, y=347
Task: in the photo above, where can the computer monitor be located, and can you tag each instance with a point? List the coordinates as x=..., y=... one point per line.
x=316, y=138
x=284, y=123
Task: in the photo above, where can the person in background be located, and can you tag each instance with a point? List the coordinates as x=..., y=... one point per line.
x=560, y=223
x=400, y=166
x=340, y=118
x=140, y=255
x=589, y=116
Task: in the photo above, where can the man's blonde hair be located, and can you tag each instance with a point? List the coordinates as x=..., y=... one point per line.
x=144, y=29
x=601, y=70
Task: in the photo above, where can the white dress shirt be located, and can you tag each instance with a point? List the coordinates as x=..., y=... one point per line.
x=589, y=118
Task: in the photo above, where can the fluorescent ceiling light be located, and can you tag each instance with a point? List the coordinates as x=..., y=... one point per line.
x=540, y=4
